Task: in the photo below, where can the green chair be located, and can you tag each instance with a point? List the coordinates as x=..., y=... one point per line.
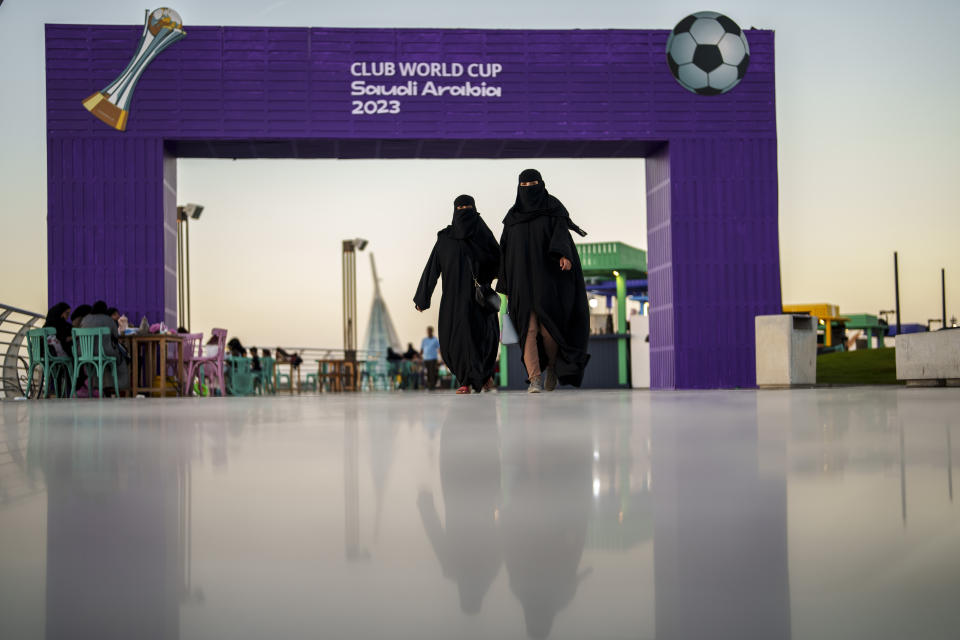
x=241, y=377
x=40, y=356
x=268, y=381
x=88, y=352
x=279, y=383
x=311, y=381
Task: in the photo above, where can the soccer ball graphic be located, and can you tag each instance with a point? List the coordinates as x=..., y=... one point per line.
x=708, y=53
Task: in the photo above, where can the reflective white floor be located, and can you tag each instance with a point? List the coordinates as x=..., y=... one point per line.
x=813, y=514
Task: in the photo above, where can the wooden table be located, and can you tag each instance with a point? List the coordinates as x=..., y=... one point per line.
x=337, y=374
x=155, y=352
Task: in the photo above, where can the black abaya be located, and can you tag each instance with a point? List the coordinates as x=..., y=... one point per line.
x=468, y=334
x=536, y=234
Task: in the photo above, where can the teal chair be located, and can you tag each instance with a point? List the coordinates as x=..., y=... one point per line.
x=40, y=356
x=241, y=382
x=311, y=381
x=88, y=352
x=279, y=383
x=266, y=382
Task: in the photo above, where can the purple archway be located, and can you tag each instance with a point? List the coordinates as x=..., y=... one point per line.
x=241, y=92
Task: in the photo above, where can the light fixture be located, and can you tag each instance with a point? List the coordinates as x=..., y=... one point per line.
x=616, y=274
x=193, y=210
x=593, y=303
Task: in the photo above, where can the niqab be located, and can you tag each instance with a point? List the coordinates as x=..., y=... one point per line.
x=465, y=221
x=534, y=201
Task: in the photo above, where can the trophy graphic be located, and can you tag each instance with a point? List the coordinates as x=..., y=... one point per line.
x=161, y=29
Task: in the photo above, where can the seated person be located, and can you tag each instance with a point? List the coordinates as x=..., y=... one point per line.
x=236, y=349
x=78, y=315
x=285, y=357
x=98, y=317
x=59, y=318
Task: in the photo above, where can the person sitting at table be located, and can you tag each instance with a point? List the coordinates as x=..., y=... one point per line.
x=236, y=348
x=99, y=317
x=210, y=349
x=416, y=367
x=255, y=360
x=285, y=357
x=59, y=318
x=411, y=354
x=79, y=314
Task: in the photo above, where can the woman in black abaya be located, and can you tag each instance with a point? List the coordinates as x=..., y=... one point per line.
x=541, y=275
x=468, y=333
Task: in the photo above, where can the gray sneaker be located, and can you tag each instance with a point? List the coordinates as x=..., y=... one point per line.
x=536, y=385
x=550, y=382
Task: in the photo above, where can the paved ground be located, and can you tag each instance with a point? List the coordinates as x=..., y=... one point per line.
x=808, y=514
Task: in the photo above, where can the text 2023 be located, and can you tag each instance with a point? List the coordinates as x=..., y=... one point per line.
x=375, y=107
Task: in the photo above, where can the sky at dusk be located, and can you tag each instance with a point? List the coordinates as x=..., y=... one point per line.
x=868, y=132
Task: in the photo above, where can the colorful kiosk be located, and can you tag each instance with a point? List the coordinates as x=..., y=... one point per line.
x=628, y=266
x=831, y=325
x=870, y=325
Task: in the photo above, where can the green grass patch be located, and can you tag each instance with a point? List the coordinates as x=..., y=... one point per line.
x=866, y=366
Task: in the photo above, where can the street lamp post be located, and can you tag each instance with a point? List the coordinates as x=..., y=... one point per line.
x=350, y=248
x=184, y=214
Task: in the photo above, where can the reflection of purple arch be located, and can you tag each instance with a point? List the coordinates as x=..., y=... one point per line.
x=237, y=92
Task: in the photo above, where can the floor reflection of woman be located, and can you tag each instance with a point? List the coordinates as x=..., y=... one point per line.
x=543, y=523
x=466, y=544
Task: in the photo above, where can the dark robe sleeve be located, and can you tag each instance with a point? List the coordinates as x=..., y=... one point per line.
x=490, y=263
x=503, y=285
x=428, y=281
x=561, y=244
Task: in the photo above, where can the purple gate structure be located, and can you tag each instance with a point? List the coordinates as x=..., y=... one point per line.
x=250, y=92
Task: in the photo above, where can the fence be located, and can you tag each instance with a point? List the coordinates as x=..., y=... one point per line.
x=14, y=324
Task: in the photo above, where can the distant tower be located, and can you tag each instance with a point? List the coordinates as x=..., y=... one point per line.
x=380, y=331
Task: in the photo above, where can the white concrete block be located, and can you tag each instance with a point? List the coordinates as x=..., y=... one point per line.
x=786, y=350
x=934, y=355
x=640, y=351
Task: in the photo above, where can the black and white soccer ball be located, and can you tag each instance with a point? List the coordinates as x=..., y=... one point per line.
x=708, y=53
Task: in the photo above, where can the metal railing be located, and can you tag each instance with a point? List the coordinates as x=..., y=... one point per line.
x=14, y=324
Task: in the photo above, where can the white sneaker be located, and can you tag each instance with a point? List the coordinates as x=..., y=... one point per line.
x=550, y=383
x=536, y=385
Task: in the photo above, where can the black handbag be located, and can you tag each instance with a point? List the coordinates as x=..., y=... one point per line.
x=483, y=294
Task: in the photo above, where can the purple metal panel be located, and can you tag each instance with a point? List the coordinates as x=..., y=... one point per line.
x=724, y=256
x=279, y=92
x=104, y=225
x=247, y=83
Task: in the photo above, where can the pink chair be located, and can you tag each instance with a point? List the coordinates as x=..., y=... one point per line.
x=212, y=365
x=192, y=350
